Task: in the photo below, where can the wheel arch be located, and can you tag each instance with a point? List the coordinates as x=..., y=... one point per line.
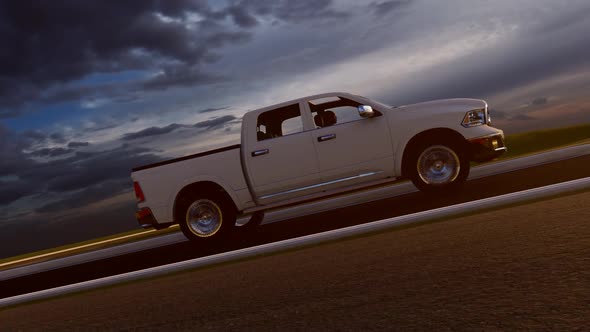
x=430, y=135
x=209, y=187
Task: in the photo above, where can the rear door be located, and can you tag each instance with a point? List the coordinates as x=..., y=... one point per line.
x=280, y=156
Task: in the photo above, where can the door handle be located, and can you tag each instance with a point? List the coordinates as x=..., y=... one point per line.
x=326, y=137
x=260, y=152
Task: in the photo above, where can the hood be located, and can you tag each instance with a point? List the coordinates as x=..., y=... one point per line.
x=446, y=103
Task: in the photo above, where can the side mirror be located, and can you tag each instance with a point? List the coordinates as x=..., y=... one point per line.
x=366, y=111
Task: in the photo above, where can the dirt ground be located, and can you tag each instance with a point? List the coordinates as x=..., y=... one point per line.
x=525, y=268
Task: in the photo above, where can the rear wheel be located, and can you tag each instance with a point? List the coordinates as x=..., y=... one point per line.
x=437, y=167
x=206, y=219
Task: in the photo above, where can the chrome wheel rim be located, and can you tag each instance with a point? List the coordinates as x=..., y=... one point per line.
x=438, y=165
x=204, y=218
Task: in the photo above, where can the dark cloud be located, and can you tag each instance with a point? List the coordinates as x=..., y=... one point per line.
x=55, y=43
x=152, y=131
x=215, y=123
x=78, y=178
x=101, y=127
x=213, y=109
x=52, y=43
x=118, y=92
x=90, y=169
x=539, y=101
x=14, y=190
x=386, y=7
x=87, y=196
x=156, y=131
x=242, y=17
x=180, y=76
x=58, y=138
x=77, y=144
x=286, y=10
x=12, y=158
x=51, y=152
x=35, y=135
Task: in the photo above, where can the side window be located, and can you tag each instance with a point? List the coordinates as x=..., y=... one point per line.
x=327, y=113
x=345, y=113
x=292, y=125
x=279, y=122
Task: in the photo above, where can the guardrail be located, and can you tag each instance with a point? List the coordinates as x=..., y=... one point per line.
x=564, y=188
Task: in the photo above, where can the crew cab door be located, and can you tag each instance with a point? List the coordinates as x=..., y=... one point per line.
x=279, y=155
x=350, y=149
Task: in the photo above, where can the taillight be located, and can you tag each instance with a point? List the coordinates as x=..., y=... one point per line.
x=138, y=192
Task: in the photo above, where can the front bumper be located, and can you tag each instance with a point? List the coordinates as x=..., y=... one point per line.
x=145, y=218
x=486, y=148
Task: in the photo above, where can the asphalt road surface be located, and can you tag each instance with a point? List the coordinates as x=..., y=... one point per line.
x=520, y=268
x=476, y=189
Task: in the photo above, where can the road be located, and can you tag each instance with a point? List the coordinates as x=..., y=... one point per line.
x=520, y=268
x=475, y=189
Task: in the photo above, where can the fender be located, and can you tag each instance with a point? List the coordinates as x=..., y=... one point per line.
x=201, y=178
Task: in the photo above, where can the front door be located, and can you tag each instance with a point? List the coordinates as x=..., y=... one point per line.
x=350, y=149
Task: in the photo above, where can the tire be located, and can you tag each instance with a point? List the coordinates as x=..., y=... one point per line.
x=205, y=219
x=438, y=167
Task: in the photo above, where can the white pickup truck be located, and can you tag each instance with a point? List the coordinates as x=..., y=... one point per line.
x=313, y=148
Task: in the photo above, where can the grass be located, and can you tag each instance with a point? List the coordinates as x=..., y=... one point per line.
x=542, y=140
x=518, y=145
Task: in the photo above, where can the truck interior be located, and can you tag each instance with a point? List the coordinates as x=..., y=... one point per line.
x=278, y=122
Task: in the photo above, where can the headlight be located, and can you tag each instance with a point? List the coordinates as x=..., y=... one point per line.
x=475, y=118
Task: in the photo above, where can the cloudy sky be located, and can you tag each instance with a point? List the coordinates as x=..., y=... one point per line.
x=89, y=90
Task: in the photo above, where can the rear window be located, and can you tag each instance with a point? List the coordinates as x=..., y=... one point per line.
x=279, y=122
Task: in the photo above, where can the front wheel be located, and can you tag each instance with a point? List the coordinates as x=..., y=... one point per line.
x=439, y=167
x=206, y=219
